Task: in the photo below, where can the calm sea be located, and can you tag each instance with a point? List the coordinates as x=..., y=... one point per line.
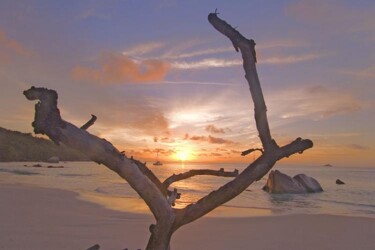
x=98, y=184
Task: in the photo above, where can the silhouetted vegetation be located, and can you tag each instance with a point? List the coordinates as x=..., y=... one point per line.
x=17, y=146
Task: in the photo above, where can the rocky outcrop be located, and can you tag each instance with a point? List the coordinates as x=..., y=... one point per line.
x=280, y=183
x=310, y=184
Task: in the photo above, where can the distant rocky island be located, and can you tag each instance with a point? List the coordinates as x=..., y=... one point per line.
x=17, y=146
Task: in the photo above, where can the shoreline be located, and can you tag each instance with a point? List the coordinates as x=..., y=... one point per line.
x=43, y=218
x=94, y=183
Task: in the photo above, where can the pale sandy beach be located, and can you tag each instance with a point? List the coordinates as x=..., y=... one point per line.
x=39, y=218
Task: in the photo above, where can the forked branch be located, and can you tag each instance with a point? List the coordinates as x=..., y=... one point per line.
x=156, y=195
x=271, y=151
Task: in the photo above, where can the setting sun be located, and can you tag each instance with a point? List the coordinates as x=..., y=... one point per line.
x=183, y=154
x=224, y=115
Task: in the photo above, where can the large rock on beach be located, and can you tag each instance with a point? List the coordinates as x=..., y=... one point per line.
x=310, y=184
x=279, y=183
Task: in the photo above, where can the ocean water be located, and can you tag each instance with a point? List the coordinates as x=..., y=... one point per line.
x=98, y=184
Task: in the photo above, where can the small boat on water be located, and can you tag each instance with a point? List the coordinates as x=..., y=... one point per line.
x=157, y=162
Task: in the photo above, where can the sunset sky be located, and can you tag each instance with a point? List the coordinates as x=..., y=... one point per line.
x=159, y=77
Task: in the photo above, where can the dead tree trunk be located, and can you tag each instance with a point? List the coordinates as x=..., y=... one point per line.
x=154, y=192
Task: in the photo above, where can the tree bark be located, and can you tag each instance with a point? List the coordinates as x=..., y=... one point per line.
x=247, y=48
x=161, y=234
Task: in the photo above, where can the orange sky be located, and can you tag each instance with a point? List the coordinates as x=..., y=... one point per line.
x=171, y=83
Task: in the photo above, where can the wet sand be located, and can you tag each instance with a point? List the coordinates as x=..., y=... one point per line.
x=40, y=218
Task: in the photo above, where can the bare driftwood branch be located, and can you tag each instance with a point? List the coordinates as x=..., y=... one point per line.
x=146, y=171
x=156, y=194
x=89, y=123
x=272, y=152
x=247, y=48
x=48, y=121
x=194, y=172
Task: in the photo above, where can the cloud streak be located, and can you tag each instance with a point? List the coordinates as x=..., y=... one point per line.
x=176, y=58
x=210, y=139
x=289, y=59
x=215, y=130
x=221, y=50
x=225, y=63
x=10, y=47
x=316, y=102
x=143, y=49
x=206, y=64
x=197, y=53
x=121, y=69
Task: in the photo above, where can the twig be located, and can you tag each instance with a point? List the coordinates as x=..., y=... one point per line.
x=89, y=123
x=246, y=152
x=195, y=172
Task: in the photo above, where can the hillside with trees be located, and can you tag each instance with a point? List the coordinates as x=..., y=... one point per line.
x=17, y=146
